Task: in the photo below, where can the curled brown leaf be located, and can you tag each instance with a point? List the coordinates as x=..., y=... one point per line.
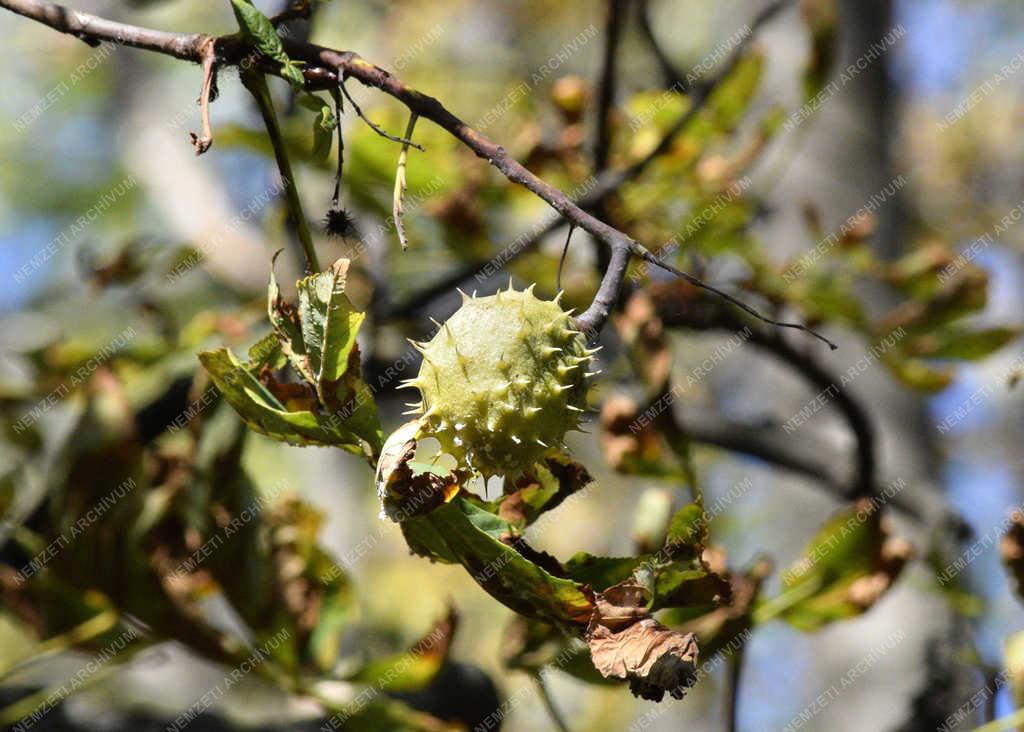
x=626, y=642
x=406, y=490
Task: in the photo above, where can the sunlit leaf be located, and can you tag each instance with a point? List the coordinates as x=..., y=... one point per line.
x=468, y=534
x=261, y=33
x=261, y=410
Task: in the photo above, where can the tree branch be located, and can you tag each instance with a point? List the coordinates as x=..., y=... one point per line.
x=325, y=67
x=88, y=27
x=673, y=79
x=606, y=85
x=678, y=308
x=593, y=318
x=607, y=182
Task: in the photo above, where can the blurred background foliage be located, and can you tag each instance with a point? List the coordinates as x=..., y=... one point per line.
x=99, y=340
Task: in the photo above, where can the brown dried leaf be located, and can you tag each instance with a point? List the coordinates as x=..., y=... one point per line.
x=654, y=659
x=407, y=489
x=626, y=642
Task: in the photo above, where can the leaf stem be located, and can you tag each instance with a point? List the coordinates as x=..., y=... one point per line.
x=339, y=108
x=400, y=183
x=373, y=125
x=561, y=262
x=256, y=83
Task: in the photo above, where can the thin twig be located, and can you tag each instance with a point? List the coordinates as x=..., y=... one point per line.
x=233, y=50
x=607, y=182
x=673, y=314
x=256, y=83
x=561, y=262
x=209, y=53
x=373, y=125
x=339, y=108
x=400, y=184
x=642, y=253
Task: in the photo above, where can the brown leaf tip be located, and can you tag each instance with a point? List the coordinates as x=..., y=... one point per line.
x=200, y=143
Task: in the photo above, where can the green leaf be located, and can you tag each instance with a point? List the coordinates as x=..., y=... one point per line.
x=1013, y=655
x=412, y=669
x=961, y=343
x=828, y=582
x=601, y=572
x=687, y=531
x=470, y=535
x=261, y=33
x=357, y=409
x=530, y=645
x=822, y=18
x=319, y=340
x=917, y=374
x=675, y=576
x=424, y=539
x=267, y=352
x=338, y=609
x=681, y=584
x=324, y=125
x=843, y=546
x=262, y=411
x=731, y=98
x=329, y=322
x=293, y=74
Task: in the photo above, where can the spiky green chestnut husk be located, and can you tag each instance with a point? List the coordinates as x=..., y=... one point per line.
x=502, y=381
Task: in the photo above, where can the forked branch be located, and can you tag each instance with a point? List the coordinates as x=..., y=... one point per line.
x=325, y=68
